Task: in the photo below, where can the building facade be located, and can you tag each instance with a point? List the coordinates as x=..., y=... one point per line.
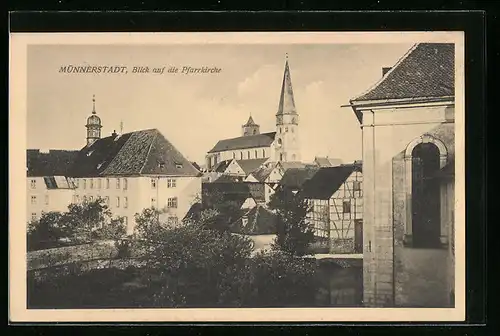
x=336, y=199
x=407, y=121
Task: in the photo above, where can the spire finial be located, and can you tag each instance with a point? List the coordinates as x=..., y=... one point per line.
x=121, y=127
x=286, y=56
x=93, y=104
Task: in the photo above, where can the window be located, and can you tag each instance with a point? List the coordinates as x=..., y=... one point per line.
x=286, y=129
x=33, y=184
x=256, y=154
x=91, y=199
x=125, y=202
x=107, y=183
x=153, y=183
x=234, y=155
x=263, y=153
x=241, y=155
x=346, y=207
x=84, y=184
x=118, y=201
x=84, y=199
x=171, y=183
x=77, y=183
x=46, y=199
x=33, y=199
x=280, y=129
x=118, y=183
x=356, y=185
x=153, y=202
x=244, y=221
x=91, y=183
x=125, y=220
x=33, y=216
x=99, y=184
x=106, y=200
x=172, y=202
x=125, y=184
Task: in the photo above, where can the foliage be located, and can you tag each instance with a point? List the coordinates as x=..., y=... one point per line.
x=44, y=232
x=83, y=219
x=226, y=210
x=115, y=229
x=293, y=234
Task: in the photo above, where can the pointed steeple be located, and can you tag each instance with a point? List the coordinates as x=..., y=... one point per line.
x=250, y=122
x=287, y=103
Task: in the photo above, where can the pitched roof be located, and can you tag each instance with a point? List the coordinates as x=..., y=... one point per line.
x=196, y=166
x=292, y=164
x=53, y=163
x=243, y=142
x=287, y=102
x=327, y=181
x=327, y=162
x=250, y=122
x=259, y=221
x=251, y=165
x=294, y=178
x=263, y=172
x=231, y=191
x=427, y=70
x=221, y=166
x=144, y=152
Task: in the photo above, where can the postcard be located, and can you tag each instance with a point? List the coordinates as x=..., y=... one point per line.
x=227, y=177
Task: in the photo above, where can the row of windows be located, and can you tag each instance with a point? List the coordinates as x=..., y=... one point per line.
x=171, y=202
x=286, y=130
x=97, y=183
x=323, y=209
x=248, y=155
x=171, y=183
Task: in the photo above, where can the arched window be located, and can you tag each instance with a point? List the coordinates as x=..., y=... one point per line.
x=254, y=132
x=263, y=153
x=424, y=157
x=281, y=157
x=248, y=154
x=241, y=155
x=256, y=154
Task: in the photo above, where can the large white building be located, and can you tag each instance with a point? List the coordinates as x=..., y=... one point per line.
x=131, y=171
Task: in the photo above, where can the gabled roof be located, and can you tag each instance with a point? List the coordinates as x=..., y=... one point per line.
x=243, y=142
x=232, y=191
x=221, y=166
x=327, y=162
x=259, y=220
x=292, y=164
x=196, y=166
x=251, y=165
x=52, y=163
x=327, y=181
x=294, y=178
x=144, y=152
x=427, y=70
x=287, y=102
x=263, y=172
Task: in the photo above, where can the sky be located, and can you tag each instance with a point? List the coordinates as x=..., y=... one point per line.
x=195, y=111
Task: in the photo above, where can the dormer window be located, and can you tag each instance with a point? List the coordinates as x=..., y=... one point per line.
x=244, y=221
x=90, y=153
x=178, y=165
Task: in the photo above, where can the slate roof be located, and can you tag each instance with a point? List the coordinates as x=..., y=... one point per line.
x=294, y=178
x=327, y=162
x=427, y=70
x=263, y=172
x=53, y=163
x=327, y=181
x=259, y=221
x=251, y=165
x=243, y=142
x=144, y=152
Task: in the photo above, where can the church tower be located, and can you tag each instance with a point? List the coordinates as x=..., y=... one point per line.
x=93, y=126
x=250, y=128
x=287, y=122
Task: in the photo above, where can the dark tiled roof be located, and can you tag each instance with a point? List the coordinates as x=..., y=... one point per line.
x=327, y=181
x=263, y=172
x=294, y=178
x=250, y=165
x=250, y=141
x=53, y=163
x=292, y=164
x=231, y=191
x=221, y=166
x=259, y=221
x=427, y=70
x=142, y=152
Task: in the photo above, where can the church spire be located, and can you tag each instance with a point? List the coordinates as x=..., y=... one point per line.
x=93, y=104
x=287, y=103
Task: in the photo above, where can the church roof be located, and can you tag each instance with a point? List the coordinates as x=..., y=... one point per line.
x=427, y=70
x=294, y=178
x=327, y=181
x=244, y=142
x=251, y=165
x=287, y=102
x=52, y=163
x=250, y=122
x=142, y=152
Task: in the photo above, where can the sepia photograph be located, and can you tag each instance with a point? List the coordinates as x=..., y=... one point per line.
x=200, y=176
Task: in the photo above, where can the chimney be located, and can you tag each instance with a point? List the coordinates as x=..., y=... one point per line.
x=114, y=133
x=385, y=70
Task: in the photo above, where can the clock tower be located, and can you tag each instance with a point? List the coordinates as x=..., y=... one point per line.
x=287, y=122
x=93, y=126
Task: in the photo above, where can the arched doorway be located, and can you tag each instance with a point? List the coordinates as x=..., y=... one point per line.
x=426, y=207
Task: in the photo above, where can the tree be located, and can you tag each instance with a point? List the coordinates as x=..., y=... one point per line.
x=293, y=234
x=224, y=209
x=114, y=230
x=82, y=219
x=45, y=232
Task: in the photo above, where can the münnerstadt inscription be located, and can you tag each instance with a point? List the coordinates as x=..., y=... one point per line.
x=140, y=69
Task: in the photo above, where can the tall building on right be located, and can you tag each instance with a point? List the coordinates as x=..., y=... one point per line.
x=408, y=126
